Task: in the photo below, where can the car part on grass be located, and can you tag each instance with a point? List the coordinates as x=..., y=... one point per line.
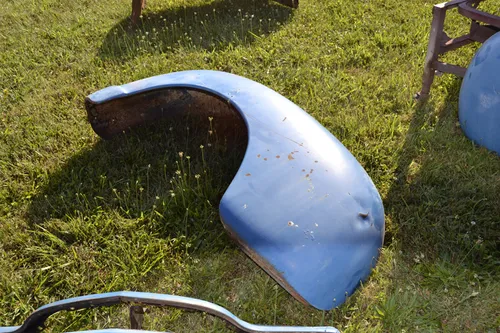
x=139, y=5
x=300, y=205
x=479, y=103
x=483, y=25
x=37, y=319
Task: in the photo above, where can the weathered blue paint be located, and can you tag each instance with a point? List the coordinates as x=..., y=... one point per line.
x=479, y=106
x=300, y=205
x=38, y=318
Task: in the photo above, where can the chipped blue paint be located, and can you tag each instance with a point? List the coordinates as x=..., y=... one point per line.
x=300, y=205
x=479, y=106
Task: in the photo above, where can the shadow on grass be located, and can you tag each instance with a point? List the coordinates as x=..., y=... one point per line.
x=168, y=177
x=214, y=26
x=445, y=199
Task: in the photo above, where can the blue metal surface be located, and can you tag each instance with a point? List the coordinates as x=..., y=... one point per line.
x=300, y=205
x=479, y=106
x=37, y=318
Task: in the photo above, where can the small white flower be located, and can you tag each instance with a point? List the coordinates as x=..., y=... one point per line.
x=473, y=222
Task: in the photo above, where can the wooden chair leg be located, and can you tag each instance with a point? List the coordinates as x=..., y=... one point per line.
x=137, y=6
x=433, y=49
x=289, y=3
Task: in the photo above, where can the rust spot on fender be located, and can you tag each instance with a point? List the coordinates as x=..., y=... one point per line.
x=248, y=174
x=278, y=156
x=290, y=157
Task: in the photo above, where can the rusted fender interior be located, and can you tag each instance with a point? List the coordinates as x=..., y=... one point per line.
x=300, y=205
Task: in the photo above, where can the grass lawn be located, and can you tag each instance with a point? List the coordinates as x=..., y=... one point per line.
x=79, y=215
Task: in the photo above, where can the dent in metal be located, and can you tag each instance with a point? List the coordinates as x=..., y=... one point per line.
x=300, y=205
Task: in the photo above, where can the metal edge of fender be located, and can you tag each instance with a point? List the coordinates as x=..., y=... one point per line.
x=37, y=318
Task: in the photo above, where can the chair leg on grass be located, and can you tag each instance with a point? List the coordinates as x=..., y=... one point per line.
x=289, y=3
x=136, y=314
x=433, y=48
x=137, y=7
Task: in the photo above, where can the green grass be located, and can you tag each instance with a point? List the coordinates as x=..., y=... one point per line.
x=79, y=215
